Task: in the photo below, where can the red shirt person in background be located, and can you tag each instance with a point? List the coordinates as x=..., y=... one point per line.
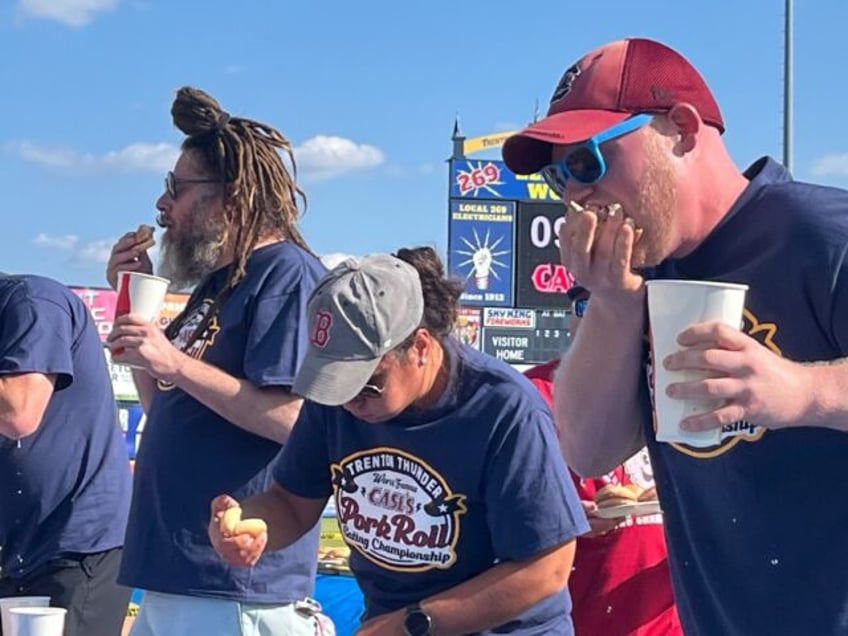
x=620, y=584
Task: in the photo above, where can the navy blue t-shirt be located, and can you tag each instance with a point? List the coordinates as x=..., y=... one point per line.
x=757, y=540
x=65, y=489
x=433, y=498
x=189, y=454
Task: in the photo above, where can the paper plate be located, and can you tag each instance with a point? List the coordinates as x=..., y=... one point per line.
x=629, y=510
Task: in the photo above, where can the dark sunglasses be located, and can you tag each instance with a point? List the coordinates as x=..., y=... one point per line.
x=374, y=388
x=580, y=307
x=172, y=181
x=370, y=391
x=585, y=163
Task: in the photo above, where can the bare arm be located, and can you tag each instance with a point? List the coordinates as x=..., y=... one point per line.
x=491, y=598
x=287, y=517
x=268, y=412
x=501, y=593
x=23, y=401
x=596, y=388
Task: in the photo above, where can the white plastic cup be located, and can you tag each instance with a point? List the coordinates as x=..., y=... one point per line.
x=141, y=294
x=673, y=306
x=9, y=602
x=37, y=621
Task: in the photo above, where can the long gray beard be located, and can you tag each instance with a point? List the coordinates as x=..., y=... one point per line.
x=187, y=263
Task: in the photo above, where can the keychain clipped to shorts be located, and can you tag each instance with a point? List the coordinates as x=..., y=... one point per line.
x=310, y=608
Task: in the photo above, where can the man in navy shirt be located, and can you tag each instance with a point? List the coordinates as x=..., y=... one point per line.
x=216, y=384
x=64, y=472
x=757, y=544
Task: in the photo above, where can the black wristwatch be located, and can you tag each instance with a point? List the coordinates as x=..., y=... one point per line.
x=417, y=622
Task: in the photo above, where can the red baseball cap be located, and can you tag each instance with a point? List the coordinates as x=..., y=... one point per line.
x=605, y=87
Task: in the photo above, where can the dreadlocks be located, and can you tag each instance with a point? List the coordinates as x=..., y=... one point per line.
x=261, y=195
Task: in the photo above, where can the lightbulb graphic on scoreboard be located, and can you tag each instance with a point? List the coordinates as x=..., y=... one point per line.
x=480, y=251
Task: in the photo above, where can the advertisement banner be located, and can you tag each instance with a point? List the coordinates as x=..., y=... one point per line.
x=541, y=280
x=480, y=250
x=544, y=339
x=497, y=317
x=491, y=179
x=468, y=326
x=101, y=303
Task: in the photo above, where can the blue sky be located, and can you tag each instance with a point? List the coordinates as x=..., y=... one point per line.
x=366, y=91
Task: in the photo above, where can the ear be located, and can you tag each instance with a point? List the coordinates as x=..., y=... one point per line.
x=686, y=120
x=422, y=347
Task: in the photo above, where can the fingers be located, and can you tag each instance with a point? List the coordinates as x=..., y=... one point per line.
x=221, y=503
x=717, y=334
x=722, y=362
x=130, y=254
x=576, y=236
x=719, y=388
x=238, y=550
x=241, y=550
x=596, y=246
x=724, y=416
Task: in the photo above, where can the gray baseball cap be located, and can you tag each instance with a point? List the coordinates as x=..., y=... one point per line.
x=360, y=310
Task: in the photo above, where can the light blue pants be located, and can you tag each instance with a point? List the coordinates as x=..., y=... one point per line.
x=172, y=615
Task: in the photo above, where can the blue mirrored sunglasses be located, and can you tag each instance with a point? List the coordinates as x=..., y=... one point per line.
x=584, y=163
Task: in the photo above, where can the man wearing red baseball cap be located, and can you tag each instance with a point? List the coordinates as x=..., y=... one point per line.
x=632, y=142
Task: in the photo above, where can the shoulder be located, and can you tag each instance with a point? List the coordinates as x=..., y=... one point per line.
x=283, y=267
x=496, y=384
x=37, y=289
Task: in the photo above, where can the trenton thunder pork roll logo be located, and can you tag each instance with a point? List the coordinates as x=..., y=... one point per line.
x=397, y=510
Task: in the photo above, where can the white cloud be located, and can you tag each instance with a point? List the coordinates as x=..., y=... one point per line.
x=137, y=157
x=319, y=158
x=332, y=259
x=74, y=13
x=831, y=165
x=66, y=242
x=141, y=157
x=93, y=253
x=323, y=157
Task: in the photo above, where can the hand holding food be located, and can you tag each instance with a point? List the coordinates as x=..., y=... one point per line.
x=144, y=237
x=239, y=545
x=129, y=253
x=598, y=246
x=231, y=524
x=649, y=494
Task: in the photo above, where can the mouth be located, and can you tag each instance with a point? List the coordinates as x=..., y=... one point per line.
x=603, y=211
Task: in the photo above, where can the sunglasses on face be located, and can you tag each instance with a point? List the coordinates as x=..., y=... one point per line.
x=580, y=307
x=373, y=389
x=172, y=181
x=584, y=163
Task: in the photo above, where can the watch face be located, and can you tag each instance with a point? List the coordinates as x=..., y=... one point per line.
x=417, y=623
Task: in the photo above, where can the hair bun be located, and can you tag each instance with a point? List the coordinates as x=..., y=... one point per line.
x=196, y=112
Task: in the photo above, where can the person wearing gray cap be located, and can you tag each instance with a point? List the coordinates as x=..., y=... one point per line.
x=442, y=462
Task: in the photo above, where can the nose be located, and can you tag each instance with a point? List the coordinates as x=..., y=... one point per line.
x=162, y=204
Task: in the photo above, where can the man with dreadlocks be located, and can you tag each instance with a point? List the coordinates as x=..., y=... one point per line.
x=216, y=383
